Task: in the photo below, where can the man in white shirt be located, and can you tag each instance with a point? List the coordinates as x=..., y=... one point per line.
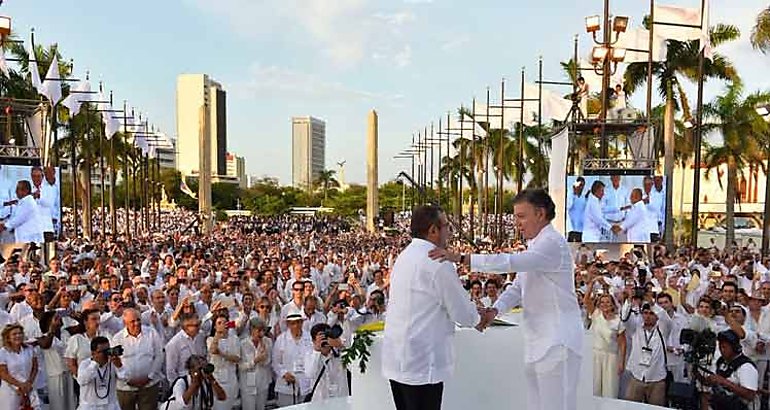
x=187, y=342
x=658, y=201
x=615, y=200
x=735, y=374
x=426, y=300
x=143, y=356
x=545, y=287
x=51, y=190
x=637, y=223
x=576, y=206
x=647, y=360
x=289, y=352
x=98, y=376
x=45, y=202
x=595, y=226
x=25, y=220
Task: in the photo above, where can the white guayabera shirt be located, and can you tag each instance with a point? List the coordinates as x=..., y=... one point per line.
x=545, y=287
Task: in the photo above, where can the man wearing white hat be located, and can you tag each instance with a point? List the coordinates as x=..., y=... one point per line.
x=289, y=353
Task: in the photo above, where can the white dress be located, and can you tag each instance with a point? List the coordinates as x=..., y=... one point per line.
x=605, y=346
x=19, y=366
x=225, y=371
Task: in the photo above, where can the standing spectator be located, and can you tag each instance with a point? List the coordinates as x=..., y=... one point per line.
x=255, y=373
x=98, y=376
x=224, y=354
x=143, y=364
x=187, y=342
x=609, y=342
x=196, y=389
x=18, y=370
x=647, y=361
x=289, y=362
x=576, y=205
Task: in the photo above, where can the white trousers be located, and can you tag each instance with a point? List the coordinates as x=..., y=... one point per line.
x=231, y=390
x=253, y=398
x=61, y=394
x=606, y=377
x=552, y=381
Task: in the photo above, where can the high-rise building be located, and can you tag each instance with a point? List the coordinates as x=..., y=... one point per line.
x=236, y=168
x=167, y=155
x=200, y=104
x=308, y=157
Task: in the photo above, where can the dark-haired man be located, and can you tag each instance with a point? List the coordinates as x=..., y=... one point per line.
x=545, y=287
x=98, y=377
x=426, y=300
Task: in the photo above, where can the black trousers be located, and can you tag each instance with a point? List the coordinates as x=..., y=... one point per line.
x=422, y=397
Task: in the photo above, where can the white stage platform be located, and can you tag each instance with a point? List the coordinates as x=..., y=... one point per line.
x=489, y=375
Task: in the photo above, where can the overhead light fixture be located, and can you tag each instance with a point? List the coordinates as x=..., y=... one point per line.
x=763, y=110
x=593, y=23
x=598, y=54
x=620, y=24
x=617, y=55
x=5, y=26
x=688, y=124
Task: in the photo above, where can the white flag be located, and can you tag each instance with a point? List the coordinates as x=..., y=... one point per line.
x=4, y=64
x=639, y=39
x=51, y=87
x=477, y=129
x=111, y=125
x=557, y=180
x=76, y=99
x=34, y=72
x=687, y=16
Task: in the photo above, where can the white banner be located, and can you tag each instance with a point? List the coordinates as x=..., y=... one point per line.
x=639, y=39
x=557, y=176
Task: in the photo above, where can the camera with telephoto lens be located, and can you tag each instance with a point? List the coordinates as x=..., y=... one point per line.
x=115, y=351
x=700, y=346
x=333, y=332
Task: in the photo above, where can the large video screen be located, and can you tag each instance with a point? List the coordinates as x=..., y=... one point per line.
x=615, y=208
x=28, y=226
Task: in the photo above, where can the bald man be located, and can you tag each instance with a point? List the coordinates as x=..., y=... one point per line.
x=142, y=363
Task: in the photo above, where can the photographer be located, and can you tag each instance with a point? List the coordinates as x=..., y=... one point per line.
x=324, y=365
x=734, y=385
x=647, y=361
x=373, y=312
x=197, y=389
x=97, y=377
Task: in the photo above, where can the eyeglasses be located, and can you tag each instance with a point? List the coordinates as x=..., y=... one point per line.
x=264, y=307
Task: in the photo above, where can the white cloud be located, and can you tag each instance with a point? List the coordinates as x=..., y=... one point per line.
x=264, y=81
x=404, y=57
x=345, y=31
x=456, y=43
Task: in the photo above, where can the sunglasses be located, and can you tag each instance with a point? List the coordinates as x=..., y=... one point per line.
x=264, y=307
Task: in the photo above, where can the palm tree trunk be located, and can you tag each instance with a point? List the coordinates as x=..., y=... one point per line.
x=85, y=200
x=732, y=179
x=668, y=167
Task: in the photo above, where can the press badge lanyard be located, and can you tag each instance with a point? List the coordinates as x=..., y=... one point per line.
x=646, y=358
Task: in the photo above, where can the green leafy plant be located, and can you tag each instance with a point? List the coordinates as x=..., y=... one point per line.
x=359, y=350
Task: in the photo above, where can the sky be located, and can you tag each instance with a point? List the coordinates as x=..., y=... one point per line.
x=411, y=60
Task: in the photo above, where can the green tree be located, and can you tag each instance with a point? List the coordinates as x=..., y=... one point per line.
x=326, y=180
x=681, y=62
x=760, y=34
x=743, y=131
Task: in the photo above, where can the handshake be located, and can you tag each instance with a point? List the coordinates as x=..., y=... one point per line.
x=488, y=315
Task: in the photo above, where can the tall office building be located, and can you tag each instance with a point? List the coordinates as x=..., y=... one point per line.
x=194, y=91
x=308, y=157
x=167, y=155
x=236, y=168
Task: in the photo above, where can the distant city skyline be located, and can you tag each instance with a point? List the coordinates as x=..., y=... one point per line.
x=410, y=60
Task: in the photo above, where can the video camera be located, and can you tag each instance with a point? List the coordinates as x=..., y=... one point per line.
x=115, y=351
x=702, y=345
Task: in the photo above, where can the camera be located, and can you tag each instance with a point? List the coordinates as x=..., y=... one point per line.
x=702, y=345
x=115, y=351
x=208, y=368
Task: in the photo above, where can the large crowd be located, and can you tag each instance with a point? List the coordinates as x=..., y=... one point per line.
x=256, y=314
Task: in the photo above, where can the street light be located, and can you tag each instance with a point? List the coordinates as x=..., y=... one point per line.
x=688, y=124
x=593, y=24
x=620, y=24
x=5, y=26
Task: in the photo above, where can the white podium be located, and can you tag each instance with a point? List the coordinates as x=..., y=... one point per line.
x=489, y=375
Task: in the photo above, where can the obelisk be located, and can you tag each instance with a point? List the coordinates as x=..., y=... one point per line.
x=372, y=184
x=204, y=170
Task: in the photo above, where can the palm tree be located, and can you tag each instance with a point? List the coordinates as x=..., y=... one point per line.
x=760, y=34
x=743, y=130
x=326, y=180
x=681, y=61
